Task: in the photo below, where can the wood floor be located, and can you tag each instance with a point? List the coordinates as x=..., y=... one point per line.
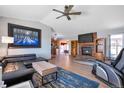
x=67, y=62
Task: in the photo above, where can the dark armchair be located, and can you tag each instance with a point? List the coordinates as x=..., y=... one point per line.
x=112, y=74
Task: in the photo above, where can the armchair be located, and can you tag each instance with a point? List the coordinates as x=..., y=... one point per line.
x=112, y=74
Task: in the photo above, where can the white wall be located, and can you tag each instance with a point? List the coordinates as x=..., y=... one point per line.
x=44, y=51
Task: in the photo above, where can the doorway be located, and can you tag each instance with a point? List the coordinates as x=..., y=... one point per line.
x=63, y=47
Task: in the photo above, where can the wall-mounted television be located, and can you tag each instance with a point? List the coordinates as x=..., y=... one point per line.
x=86, y=38
x=24, y=37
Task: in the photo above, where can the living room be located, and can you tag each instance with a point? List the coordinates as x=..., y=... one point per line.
x=61, y=46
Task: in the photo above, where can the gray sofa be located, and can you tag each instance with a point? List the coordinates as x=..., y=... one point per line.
x=22, y=65
x=112, y=74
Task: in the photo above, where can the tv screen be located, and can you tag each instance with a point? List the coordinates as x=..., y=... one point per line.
x=85, y=38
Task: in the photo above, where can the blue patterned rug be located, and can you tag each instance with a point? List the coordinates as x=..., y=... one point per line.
x=65, y=79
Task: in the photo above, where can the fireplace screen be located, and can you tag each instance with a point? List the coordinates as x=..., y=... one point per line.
x=87, y=51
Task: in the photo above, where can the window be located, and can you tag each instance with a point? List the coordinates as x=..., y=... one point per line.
x=115, y=45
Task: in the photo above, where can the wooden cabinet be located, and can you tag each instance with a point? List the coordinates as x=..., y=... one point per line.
x=100, y=49
x=74, y=44
x=54, y=46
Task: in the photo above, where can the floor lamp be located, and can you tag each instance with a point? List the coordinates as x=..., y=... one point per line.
x=7, y=40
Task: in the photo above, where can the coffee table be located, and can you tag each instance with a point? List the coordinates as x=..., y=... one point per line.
x=44, y=68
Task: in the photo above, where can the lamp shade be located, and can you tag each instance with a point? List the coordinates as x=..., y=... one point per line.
x=6, y=39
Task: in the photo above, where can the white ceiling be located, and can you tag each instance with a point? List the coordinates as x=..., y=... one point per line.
x=26, y=12
x=93, y=18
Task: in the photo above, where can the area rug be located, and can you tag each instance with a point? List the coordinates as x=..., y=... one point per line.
x=65, y=79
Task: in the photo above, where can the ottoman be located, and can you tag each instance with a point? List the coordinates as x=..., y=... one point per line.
x=44, y=68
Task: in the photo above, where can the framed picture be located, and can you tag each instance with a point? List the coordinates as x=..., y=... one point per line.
x=24, y=37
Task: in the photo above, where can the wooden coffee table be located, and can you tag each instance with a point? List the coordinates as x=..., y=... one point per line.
x=44, y=68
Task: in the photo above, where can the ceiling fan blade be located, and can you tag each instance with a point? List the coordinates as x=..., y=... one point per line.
x=60, y=16
x=71, y=6
x=58, y=11
x=68, y=17
x=75, y=13
x=68, y=8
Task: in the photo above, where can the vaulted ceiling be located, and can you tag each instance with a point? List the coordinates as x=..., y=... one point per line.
x=93, y=18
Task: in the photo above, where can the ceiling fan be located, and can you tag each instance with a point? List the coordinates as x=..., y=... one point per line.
x=67, y=12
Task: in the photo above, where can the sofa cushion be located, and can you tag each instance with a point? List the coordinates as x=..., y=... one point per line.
x=22, y=55
x=17, y=73
x=15, y=58
x=11, y=60
x=19, y=59
x=11, y=67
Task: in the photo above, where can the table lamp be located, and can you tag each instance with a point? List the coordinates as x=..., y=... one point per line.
x=7, y=40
